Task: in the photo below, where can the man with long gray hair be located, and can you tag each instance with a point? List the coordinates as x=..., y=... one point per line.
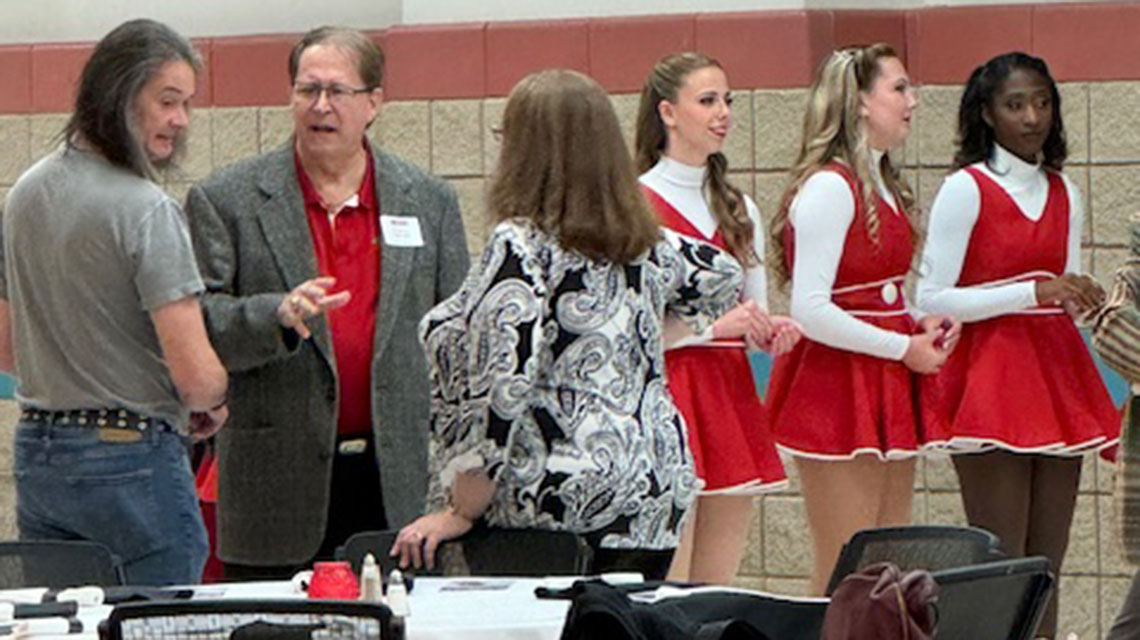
x=100, y=320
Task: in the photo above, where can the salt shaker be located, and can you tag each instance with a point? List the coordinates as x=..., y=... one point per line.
x=370, y=588
x=398, y=603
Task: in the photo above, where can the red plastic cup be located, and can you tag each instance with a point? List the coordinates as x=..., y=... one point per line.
x=333, y=581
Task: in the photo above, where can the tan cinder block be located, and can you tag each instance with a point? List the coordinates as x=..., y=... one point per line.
x=1112, y=592
x=1079, y=609
x=625, y=106
x=492, y=120
x=1105, y=472
x=752, y=564
x=1079, y=175
x=787, y=552
x=178, y=190
x=1112, y=559
x=1075, y=111
x=743, y=180
x=769, y=190
x=1088, y=474
x=945, y=508
x=473, y=206
x=756, y=583
x=939, y=108
x=1082, y=555
x=457, y=137
x=1115, y=197
x=918, y=510
x=1087, y=260
x=929, y=182
x=274, y=127
x=1105, y=263
x=8, y=529
x=15, y=140
x=234, y=135
x=1114, y=122
x=789, y=586
x=9, y=415
x=738, y=144
x=404, y=128
x=46, y=128
x=940, y=474
x=778, y=122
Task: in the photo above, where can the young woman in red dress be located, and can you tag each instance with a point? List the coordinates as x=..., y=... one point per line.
x=684, y=117
x=1021, y=392
x=844, y=402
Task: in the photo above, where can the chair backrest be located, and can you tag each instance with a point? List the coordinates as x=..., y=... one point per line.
x=57, y=564
x=917, y=547
x=1001, y=600
x=485, y=551
x=249, y=620
x=377, y=543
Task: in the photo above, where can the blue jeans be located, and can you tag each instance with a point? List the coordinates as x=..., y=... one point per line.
x=137, y=498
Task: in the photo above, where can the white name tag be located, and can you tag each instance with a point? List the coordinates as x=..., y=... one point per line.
x=401, y=231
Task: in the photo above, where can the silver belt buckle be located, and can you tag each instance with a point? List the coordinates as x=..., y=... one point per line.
x=353, y=447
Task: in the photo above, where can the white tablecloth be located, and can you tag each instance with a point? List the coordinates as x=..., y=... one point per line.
x=441, y=608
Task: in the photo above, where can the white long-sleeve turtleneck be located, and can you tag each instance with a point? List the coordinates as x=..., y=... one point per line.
x=952, y=219
x=821, y=214
x=682, y=186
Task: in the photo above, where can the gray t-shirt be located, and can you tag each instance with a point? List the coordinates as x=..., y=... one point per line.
x=89, y=250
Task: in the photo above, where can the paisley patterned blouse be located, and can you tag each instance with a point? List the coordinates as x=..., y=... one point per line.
x=547, y=372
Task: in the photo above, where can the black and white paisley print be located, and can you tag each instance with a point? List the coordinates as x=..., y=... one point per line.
x=548, y=372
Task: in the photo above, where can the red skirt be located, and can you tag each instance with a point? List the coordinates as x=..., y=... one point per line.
x=728, y=427
x=1024, y=382
x=834, y=404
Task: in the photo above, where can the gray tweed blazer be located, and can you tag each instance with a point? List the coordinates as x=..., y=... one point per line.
x=252, y=241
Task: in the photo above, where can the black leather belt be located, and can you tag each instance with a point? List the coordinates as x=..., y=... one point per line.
x=97, y=419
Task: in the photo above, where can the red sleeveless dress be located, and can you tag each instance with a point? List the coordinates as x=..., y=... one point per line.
x=712, y=386
x=830, y=403
x=1022, y=381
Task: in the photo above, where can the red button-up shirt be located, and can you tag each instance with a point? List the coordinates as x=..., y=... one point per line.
x=347, y=244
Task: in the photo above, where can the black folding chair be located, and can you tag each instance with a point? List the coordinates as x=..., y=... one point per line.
x=57, y=564
x=485, y=551
x=918, y=547
x=1002, y=600
x=248, y=620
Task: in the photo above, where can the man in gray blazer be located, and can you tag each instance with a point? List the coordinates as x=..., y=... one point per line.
x=319, y=259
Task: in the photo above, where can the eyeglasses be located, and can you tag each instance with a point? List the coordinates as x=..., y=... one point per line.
x=338, y=94
x=496, y=132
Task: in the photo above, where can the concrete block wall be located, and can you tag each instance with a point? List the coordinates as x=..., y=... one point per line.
x=445, y=92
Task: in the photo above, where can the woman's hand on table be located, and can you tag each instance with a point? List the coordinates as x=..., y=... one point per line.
x=417, y=543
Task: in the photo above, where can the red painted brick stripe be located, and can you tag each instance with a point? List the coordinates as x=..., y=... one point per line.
x=760, y=49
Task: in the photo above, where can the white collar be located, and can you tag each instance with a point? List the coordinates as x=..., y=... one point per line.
x=679, y=173
x=1007, y=165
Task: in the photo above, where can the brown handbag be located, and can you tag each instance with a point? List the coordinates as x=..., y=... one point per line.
x=881, y=602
